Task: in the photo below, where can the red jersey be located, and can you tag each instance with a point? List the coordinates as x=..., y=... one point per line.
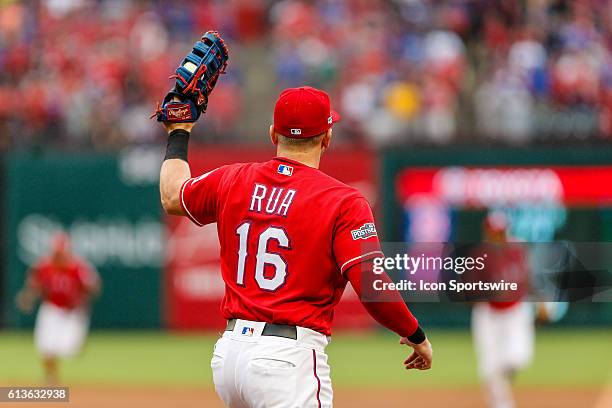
x=64, y=286
x=288, y=232
x=506, y=262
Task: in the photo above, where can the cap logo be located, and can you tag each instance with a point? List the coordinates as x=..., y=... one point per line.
x=296, y=131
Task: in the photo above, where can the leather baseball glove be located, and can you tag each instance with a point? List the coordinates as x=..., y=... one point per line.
x=195, y=79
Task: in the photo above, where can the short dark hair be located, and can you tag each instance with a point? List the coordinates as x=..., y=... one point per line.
x=300, y=142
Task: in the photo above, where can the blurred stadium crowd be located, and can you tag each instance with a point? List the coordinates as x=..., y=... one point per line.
x=87, y=74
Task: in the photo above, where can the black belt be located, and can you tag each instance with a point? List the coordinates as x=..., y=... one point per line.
x=270, y=329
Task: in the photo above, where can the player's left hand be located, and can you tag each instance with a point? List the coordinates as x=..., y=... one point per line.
x=188, y=126
x=421, y=358
x=24, y=302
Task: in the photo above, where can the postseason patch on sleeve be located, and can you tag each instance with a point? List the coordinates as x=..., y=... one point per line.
x=364, y=232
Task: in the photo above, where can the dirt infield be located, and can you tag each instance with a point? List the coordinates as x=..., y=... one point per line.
x=116, y=397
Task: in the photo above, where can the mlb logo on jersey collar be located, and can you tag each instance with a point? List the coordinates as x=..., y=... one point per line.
x=285, y=170
x=248, y=331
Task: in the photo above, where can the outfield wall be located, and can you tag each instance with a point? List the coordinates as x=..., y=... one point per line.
x=110, y=206
x=112, y=214
x=156, y=270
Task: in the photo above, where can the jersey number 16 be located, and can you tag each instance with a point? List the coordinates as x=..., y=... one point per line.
x=263, y=257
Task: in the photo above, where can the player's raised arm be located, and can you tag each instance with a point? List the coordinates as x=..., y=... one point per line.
x=195, y=79
x=175, y=169
x=195, y=198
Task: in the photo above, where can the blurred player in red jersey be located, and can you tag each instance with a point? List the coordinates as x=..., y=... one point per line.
x=503, y=330
x=291, y=239
x=65, y=283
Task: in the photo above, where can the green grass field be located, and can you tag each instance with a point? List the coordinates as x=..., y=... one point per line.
x=563, y=358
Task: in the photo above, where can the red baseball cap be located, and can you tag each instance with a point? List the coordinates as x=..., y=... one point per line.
x=303, y=112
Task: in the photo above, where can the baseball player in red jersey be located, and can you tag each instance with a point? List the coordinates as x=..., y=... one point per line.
x=503, y=331
x=291, y=239
x=65, y=283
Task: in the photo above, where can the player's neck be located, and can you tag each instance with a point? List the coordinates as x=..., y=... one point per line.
x=311, y=159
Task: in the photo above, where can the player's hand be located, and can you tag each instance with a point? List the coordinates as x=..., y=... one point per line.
x=24, y=302
x=173, y=126
x=542, y=314
x=422, y=356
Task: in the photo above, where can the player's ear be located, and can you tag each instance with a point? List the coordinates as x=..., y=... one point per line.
x=273, y=136
x=326, y=139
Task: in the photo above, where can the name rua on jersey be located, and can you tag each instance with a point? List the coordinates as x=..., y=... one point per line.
x=364, y=232
x=271, y=200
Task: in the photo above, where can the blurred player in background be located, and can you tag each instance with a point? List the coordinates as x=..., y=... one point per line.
x=503, y=330
x=65, y=283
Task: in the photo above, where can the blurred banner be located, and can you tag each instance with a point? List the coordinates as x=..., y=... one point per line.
x=535, y=199
x=194, y=286
x=542, y=196
x=109, y=205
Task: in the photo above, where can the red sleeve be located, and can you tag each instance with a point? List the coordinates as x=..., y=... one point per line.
x=35, y=277
x=200, y=195
x=392, y=313
x=355, y=238
x=88, y=275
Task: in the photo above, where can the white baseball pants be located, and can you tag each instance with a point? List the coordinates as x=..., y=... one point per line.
x=504, y=341
x=255, y=371
x=60, y=332
x=503, y=338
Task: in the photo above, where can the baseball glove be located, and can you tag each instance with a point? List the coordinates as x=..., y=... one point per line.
x=195, y=79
